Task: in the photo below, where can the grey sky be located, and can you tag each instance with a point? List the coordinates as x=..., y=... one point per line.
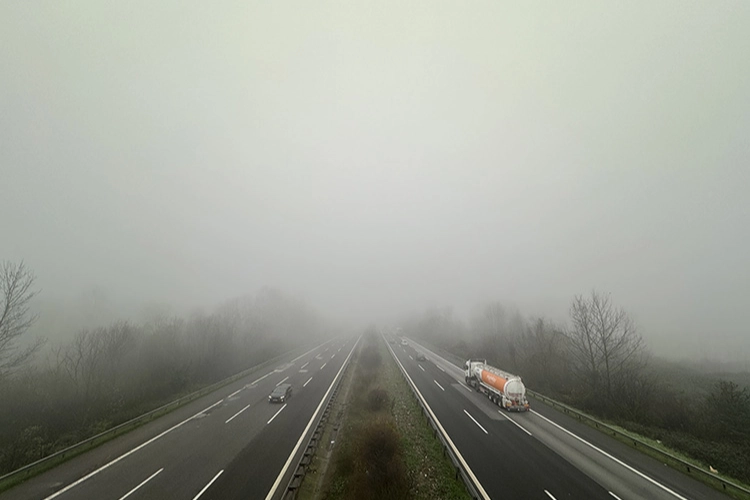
x=377, y=157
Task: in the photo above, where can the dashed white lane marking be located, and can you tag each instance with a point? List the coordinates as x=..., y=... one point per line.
x=235, y=393
x=441, y=368
x=303, y=366
x=420, y=367
x=323, y=366
x=209, y=484
x=441, y=387
x=514, y=422
x=282, y=381
x=644, y=476
x=333, y=355
x=308, y=381
x=475, y=421
x=149, y=478
x=281, y=475
x=275, y=414
x=550, y=495
x=261, y=378
x=109, y=464
x=232, y=417
x=468, y=388
x=411, y=357
x=618, y=498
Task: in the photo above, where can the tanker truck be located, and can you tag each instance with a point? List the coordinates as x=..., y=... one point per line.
x=503, y=389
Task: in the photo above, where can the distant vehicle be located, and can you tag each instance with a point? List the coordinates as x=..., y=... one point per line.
x=503, y=389
x=281, y=393
x=404, y=342
x=421, y=356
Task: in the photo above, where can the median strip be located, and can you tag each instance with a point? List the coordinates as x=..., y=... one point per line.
x=378, y=443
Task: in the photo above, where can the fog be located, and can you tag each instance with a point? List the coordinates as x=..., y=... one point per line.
x=381, y=158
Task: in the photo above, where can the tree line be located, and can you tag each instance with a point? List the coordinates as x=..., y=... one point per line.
x=599, y=363
x=112, y=373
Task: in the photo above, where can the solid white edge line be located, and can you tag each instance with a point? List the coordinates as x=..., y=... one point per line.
x=480, y=488
x=308, y=381
x=127, y=454
x=209, y=484
x=323, y=365
x=618, y=498
x=516, y=423
x=232, y=417
x=282, y=381
x=149, y=478
x=475, y=421
x=550, y=495
x=274, y=415
x=641, y=474
x=276, y=483
x=441, y=387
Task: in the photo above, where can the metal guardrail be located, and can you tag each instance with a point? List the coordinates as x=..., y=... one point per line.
x=678, y=463
x=312, y=444
x=461, y=472
x=43, y=464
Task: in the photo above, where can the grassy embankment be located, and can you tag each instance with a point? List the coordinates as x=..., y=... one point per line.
x=383, y=445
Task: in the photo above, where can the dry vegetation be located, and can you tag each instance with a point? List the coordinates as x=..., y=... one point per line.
x=110, y=374
x=385, y=448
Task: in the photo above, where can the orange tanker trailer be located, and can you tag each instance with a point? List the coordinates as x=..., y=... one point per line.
x=503, y=388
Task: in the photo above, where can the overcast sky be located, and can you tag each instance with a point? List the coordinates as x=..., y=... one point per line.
x=379, y=157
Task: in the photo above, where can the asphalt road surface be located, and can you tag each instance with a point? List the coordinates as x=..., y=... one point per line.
x=541, y=454
x=230, y=444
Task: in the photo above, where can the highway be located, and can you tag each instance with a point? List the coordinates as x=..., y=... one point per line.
x=541, y=454
x=230, y=444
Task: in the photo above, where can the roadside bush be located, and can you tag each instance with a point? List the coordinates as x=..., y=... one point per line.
x=377, y=399
x=382, y=473
x=370, y=359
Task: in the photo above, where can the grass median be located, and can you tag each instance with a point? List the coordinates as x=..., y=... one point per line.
x=378, y=443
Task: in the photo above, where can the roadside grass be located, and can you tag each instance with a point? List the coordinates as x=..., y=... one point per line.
x=385, y=448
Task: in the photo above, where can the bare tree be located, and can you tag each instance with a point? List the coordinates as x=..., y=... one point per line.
x=604, y=343
x=16, y=292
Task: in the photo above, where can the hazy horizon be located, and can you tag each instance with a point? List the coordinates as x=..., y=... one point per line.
x=379, y=159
